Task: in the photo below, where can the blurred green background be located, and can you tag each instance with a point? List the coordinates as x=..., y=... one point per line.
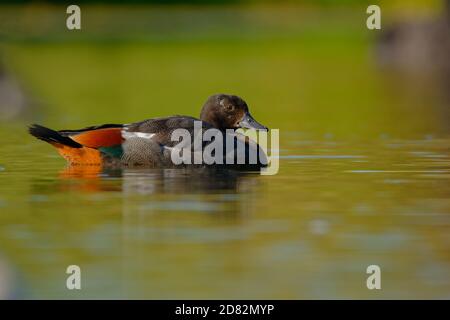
x=308, y=66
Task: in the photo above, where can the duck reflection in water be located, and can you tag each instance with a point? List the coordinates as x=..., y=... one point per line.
x=156, y=180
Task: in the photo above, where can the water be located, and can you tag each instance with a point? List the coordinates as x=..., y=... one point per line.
x=334, y=208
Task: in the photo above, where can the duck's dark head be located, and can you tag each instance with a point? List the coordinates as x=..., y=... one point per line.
x=225, y=111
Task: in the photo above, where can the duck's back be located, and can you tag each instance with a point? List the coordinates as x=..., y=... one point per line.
x=160, y=130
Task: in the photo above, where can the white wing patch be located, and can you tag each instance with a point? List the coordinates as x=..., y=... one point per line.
x=143, y=135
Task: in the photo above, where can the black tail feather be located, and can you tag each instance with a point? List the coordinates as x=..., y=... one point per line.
x=51, y=136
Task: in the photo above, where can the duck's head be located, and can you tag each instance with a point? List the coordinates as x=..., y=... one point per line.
x=225, y=111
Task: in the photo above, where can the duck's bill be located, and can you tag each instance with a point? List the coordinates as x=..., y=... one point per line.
x=248, y=122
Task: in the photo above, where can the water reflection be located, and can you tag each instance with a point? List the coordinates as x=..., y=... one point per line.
x=144, y=181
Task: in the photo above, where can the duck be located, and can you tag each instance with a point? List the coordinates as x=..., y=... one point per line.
x=149, y=143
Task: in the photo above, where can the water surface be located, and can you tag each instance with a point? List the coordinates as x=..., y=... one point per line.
x=310, y=231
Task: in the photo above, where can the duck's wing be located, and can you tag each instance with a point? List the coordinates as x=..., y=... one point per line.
x=160, y=130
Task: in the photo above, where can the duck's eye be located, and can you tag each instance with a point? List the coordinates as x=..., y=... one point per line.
x=230, y=107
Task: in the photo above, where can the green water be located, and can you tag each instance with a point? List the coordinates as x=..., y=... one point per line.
x=309, y=232
x=364, y=169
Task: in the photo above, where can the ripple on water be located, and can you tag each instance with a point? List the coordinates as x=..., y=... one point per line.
x=308, y=156
x=38, y=198
x=396, y=181
x=195, y=235
x=397, y=171
x=425, y=154
x=195, y=206
x=319, y=226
